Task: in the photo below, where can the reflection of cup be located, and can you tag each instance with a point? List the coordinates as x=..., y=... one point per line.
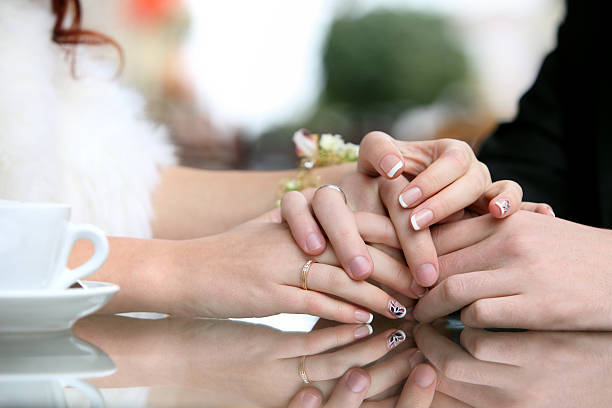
x=35, y=368
x=35, y=242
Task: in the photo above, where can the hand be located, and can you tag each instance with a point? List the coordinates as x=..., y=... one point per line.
x=351, y=389
x=229, y=363
x=255, y=270
x=509, y=369
x=530, y=271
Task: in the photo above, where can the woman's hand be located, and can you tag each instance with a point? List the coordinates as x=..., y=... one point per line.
x=530, y=271
x=352, y=388
x=256, y=270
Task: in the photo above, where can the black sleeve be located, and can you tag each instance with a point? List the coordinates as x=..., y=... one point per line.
x=530, y=149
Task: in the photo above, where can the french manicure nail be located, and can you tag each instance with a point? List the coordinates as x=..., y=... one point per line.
x=424, y=377
x=357, y=382
x=410, y=196
x=426, y=274
x=417, y=289
x=416, y=359
x=363, y=331
x=360, y=267
x=310, y=399
x=313, y=242
x=395, y=339
x=421, y=219
x=397, y=309
x=363, y=317
x=503, y=205
x=391, y=164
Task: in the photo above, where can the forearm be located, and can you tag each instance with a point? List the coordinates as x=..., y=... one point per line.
x=140, y=267
x=191, y=203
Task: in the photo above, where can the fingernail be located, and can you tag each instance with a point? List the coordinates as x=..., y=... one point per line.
x=313, y=242
x=551, y=211
x=363, y=317
x=310, y=399
x=363, y=331
x=357, y=382
x=421, y=219
x=397, y=309
x=410, y=196
x=426, y=275
x=416, y=359
x=395, y=339
x=417, y=289
x=504, y=206
x=424, y=377
x=391, y=164
x=359, y=267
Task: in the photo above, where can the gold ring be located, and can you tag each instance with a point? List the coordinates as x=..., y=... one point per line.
x=304, y=276
x=334, y=187
x=302, y=370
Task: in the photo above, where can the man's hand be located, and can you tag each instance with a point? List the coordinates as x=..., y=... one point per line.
x=529, y=271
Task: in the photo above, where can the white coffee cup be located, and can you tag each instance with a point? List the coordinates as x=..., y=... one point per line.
x=35, y=243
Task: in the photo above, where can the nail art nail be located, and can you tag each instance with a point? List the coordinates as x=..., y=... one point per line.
x=410, y=196
x=363, y=331
x=397, y=309
x=504, y=206
x=421, y=219
x=395, y=339
x=391, y=164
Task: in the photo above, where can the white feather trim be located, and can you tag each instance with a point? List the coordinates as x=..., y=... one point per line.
x=84, y=142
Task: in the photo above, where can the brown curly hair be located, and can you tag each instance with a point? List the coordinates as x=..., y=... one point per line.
x=71, y=33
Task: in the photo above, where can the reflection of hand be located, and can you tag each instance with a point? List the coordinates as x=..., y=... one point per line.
x=529, y=271
x=256, y=271
x=351, y=389
x=526, y=369
x=242, y=364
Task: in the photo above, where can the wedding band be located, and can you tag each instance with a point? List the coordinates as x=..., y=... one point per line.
x=335, y=187
x=304, y=276
x=302, y=370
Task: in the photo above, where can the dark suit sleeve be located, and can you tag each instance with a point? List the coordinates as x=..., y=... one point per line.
x=530, y=149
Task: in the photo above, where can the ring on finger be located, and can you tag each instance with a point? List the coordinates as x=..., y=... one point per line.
x=334, y=187
x=302, y=370
x=304, y=275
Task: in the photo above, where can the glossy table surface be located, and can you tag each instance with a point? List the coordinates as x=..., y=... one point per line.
x=119, y=361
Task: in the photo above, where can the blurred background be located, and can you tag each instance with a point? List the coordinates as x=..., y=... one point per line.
x=232, y=80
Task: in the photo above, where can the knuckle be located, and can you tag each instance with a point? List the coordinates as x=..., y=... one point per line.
x=312, y=305
x=480, y=312
x=453, y=289
x=452, y=369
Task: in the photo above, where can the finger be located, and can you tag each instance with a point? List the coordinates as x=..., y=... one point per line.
x=454, y=363
x=540, y=208
x=472, y=394
x=467, y=260
x=340, y=226
x=376, y=229
x=332, y=280
x=331, y=365
x=458, y=291
x=350, y=390
x=379, y=155
x=442, y=400
x=505, y=311
x=456, y=196
x=492, y=201
x=318, y=341
x=308, y=397
x=452, y=160
x=496, y=347
x=304, y=228
x=389, y=372
x=458, y=216
x=387, y=270
x=420, y=388
x=319, y=304
x=455, y=236
x=417, y=246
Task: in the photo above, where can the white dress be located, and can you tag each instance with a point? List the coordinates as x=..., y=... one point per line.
x=85, y=141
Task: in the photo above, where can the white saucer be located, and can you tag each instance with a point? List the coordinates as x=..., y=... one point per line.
x=51, y=310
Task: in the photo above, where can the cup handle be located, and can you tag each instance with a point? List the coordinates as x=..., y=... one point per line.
x=98, y=239
x=92, y=393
